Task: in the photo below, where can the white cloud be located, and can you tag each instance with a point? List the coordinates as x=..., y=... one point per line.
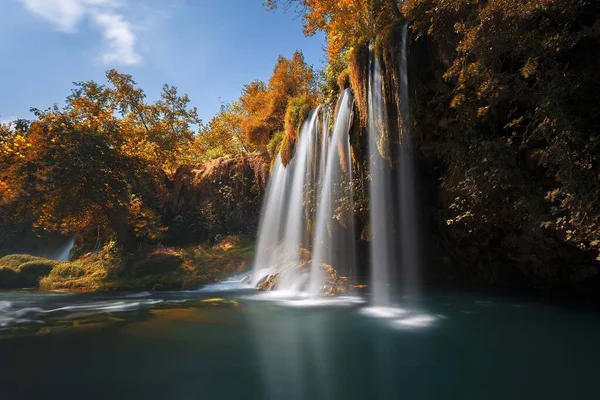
x=118, y=34
x=119, y=37
x=65, y=14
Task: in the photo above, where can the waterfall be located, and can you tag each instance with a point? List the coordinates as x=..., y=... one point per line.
x=380, y=191
x=320, y=173
x=335, y=186
x=409, y=224
x=387, y=257
x=296, y=237
x=272, y=220
x=65, y=251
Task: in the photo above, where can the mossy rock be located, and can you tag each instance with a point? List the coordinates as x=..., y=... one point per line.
x=13, y=261
x=32, y=271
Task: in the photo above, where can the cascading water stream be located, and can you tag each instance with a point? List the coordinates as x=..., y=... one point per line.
x=380, y=192
x=409, y=226
x=296, y=236
x=321, y=174
x=336, y=179
x=272, y=217
x=65, y=251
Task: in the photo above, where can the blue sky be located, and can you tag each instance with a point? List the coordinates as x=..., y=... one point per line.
x=207, y=48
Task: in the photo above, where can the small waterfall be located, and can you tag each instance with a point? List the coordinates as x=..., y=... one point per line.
x=272, y=219
x=386, y=256
x=380, y=191
x=296, y=237
x=336, y=183
x=65, y=251
x=409, y=226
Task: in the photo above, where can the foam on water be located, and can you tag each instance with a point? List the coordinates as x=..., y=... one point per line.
x=305, y=300
x=139, y=295
x=402, y=318
x=26, y=312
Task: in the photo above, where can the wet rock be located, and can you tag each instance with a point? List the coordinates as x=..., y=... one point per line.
x=333, y=284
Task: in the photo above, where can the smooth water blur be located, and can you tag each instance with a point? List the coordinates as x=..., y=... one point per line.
x=296, y=236
x=270, y=229
x=410, y=260
x=336, y=184
x=241, y=345
x=380, y=191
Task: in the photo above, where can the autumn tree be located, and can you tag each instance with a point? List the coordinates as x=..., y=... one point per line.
x=264, y=105
x=346, y=22
x=100, y=161
x=161, y=132
x=223, y=135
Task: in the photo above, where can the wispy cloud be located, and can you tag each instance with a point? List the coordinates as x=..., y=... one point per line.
x=107, y=15
x=119, y=37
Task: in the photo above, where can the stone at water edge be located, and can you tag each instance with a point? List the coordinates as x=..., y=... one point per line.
x=333, y=284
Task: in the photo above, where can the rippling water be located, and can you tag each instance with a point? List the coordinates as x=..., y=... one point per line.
x=229, y=342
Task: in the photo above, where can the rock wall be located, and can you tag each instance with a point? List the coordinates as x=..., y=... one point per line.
x=218, y=198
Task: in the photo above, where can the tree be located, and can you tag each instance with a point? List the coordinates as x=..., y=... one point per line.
x=264, y=106
x=98, y=162
x=346, y=22
x=161, y=132
x=223, y=135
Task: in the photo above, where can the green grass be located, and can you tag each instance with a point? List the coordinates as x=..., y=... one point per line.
x=23, y=270
x=158, y=268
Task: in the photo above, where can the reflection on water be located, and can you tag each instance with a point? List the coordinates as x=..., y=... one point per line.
x=293, y=353
x=222, y=345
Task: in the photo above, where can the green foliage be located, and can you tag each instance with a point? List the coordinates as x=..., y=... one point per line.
x=158, y=268
x=13, y=261
x=298, y=109
x=275, y=144
x=336, y=67
x=223, y=135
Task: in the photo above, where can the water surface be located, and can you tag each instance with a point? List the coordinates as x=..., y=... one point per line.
x=215, y=344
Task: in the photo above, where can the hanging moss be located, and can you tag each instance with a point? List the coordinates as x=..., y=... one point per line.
x=388, y=49
x=358, y=71
x=343, y=80
x=297, y=110
x=287, y=150
x=274, y=144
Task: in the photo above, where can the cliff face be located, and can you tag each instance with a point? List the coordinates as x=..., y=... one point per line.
x=507, y=150
x=220, y=197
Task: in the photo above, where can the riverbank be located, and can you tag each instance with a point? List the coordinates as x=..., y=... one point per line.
x=153, y=268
